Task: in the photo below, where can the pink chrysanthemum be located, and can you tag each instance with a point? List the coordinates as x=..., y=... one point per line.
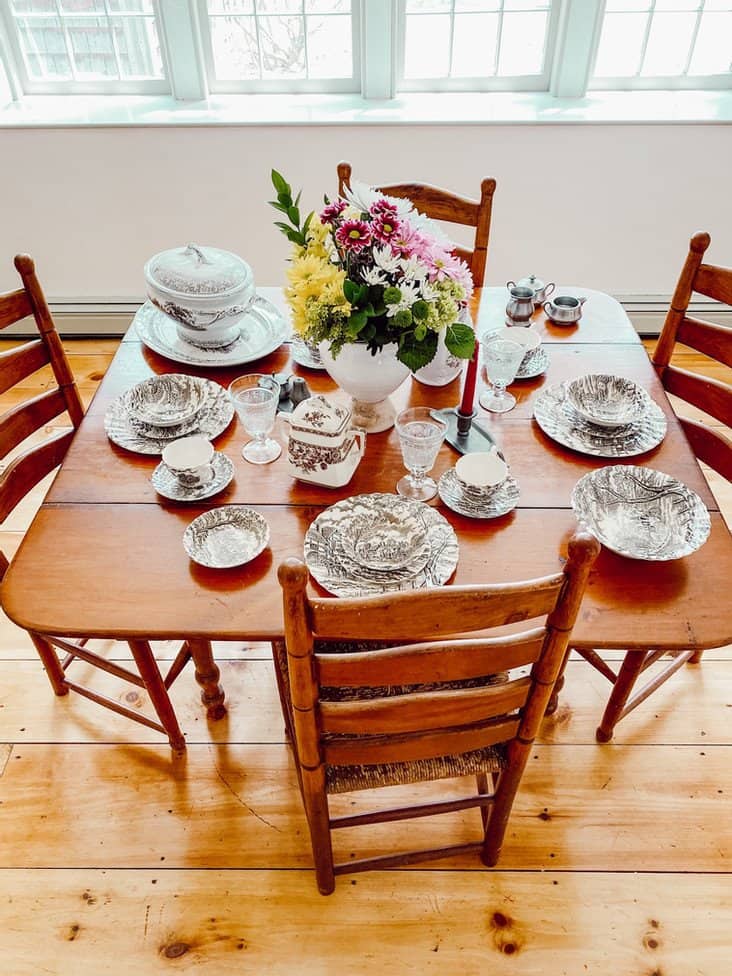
x=409, y=243
x=353, y=235
x=383, y=208
x=332, y=211
x=385, y=228
x=446, y=265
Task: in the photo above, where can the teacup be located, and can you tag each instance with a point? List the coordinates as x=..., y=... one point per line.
x=189, y=458
x=482, y=471
x=526, y=337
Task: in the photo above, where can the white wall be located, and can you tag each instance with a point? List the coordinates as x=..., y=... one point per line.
x=606, y=206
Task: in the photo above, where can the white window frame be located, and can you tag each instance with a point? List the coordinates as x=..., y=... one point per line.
x=272, y=85
x=12, y=56
x=683, y=82
x=519, y=83
x=572, y=43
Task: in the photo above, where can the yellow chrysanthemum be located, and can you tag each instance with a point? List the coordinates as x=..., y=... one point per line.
x=312, y=282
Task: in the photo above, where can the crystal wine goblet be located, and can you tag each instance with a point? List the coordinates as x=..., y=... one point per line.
x=501, y=360
x=255, y=398
x=420, y=436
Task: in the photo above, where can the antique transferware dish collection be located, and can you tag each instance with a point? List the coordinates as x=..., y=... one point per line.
x=203, y=311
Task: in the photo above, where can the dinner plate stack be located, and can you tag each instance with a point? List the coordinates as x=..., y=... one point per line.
x=164, y=408
x=625, y=420
x=378, y=544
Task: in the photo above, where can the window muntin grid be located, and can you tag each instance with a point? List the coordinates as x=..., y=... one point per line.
x=87, y=45
x=665, y=43
x=476, y=44
x=281, y=45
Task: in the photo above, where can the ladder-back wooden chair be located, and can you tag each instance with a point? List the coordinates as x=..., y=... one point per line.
x=31, y=465
x=444, y=205
x=714, y=397
x=434, y=707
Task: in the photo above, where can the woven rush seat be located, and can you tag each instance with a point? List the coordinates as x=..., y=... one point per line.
x=344, y=779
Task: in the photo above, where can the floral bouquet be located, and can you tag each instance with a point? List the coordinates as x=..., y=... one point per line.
x=372, y=269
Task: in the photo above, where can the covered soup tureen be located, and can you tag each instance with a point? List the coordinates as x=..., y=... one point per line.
x=323, y=447
x=205, y=289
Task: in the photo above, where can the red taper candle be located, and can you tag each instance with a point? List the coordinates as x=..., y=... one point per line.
x=471, y=375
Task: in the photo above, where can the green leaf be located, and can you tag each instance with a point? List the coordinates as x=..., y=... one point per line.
x=285, y=228
x=416, y=354
x=355, y=323
x=279, y=182
x=294, y=214
x=460, y=340
x=278, y=206
x=285, y=199
x=350, y=290
x=306, y=225
x=363, y=294
x=297, y=199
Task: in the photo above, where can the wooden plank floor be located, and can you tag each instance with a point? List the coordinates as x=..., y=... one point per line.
x=117, y=858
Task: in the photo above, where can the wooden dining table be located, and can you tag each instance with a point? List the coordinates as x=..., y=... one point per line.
x=104, y=556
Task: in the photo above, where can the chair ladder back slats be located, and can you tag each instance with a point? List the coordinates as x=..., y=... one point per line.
x=423, y=745
x=710, y=446
x=29, y=468
x=714, y=282
x=713, y=340
x=29, y=417
x=16, y=364
x=430, y=614
x=14, y=307
x=422, y=711
x=437, y=204
x=47, y=329
x=680, y=301
x=454, y=660
x=712, y=396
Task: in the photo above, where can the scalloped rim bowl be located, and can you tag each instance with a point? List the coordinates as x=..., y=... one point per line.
x=606, y=400
x=166, y=400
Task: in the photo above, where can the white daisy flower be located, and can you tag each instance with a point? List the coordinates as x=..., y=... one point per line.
x=362, y=197
x=385, y=259
x=374, y=276
x=413, y=269
x=410, y=294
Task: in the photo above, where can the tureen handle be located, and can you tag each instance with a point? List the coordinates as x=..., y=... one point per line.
x=201, y=257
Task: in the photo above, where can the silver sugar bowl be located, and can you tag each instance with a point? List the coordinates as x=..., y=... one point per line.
x=541, y=290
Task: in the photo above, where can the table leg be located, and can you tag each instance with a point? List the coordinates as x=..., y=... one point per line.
x=207, y=676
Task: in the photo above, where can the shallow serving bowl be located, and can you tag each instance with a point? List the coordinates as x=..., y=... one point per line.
x=607, y=401
x=167, y=400
x=641, y=513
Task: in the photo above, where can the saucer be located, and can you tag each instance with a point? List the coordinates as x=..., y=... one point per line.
x=478, y=504
x=167, y=484
x=535, y=363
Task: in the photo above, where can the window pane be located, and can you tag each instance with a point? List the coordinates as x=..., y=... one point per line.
x=522, y=43
x=713, y=48
x=477, y=5
x=82, y=6
x=427, y=47
x=138, y=47
x=678, y=5
x=282, y=42
x=33, y=6
x=668, y=44
x=279, y=7
x=131, y=6
x=621, y=45
x=428, y=6
x=526, y=4
x=44, y=48
x=235, y=49
x=627, y=5
x=330, y=47
x=231, y=6
x=328, y=7
x=474, y=45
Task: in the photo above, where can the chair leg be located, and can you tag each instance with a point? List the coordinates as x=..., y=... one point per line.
x=627, y=675
x=696, y=657
x=150, y=674
x=558, y=685
x=282, y=687
x=51, y=663
x=315, y=801
x=508, y=784
x=481, y=780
